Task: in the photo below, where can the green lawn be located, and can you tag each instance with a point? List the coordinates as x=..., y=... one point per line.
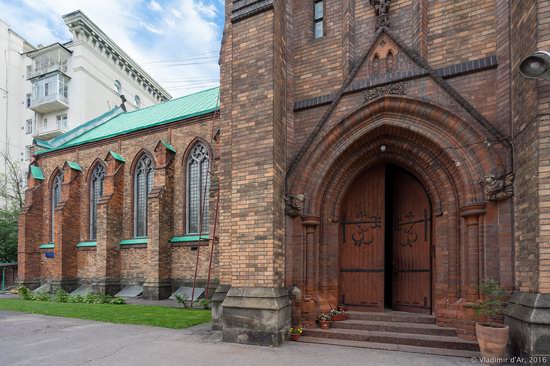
x=158, y=316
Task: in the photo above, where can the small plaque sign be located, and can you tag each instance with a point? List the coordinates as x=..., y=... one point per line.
x=49, y=254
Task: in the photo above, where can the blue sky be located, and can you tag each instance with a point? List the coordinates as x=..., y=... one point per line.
x=176, y=41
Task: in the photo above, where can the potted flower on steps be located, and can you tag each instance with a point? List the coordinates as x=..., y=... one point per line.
x=324, y=321
x=295, y=333
x=337, y=315
x=491, y=336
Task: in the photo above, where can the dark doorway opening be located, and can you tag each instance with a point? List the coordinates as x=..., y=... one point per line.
x=385, y=249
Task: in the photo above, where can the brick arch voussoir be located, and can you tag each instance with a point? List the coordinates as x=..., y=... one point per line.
x=438, y=182
x=411, y=144
x=418, y=121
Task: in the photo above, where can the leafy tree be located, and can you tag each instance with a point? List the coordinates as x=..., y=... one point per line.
x=8, y=235
x=11, y=203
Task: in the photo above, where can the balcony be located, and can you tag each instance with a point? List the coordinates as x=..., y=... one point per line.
x=49, y=103
x=49, y=59
x=49, y=131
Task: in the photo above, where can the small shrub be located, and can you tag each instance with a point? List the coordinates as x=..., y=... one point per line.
x=118, y=301
x=42, y=296
x=91, y=298
x=182, y=299
x=25, y=293
x=76, y=299
x=494, y=300
x=60, y=296
x=203, y=303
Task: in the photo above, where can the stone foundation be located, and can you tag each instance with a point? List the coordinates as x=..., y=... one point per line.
x=217, y=309
x=259, y=316
x=30, y=284
x=158, y=290
x=65, y=284
x=107, y=286
x=529, y=319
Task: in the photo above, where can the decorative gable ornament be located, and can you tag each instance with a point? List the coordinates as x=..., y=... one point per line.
x=380, y=91
x=382, y=8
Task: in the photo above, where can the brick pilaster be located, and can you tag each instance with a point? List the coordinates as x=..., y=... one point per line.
x=67, y=229
x=30, y=234
x=160, y=225
x=109, y=227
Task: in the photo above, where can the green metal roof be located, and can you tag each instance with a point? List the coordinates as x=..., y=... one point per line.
x=114, y=123
x=117, y=156
x=168, y=146
x=36, y=172
x=74, y=165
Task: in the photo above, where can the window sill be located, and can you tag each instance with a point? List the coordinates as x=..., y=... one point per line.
x=190, y=241
x=87, y=244
x=189, y=238
x=47, y=246
x=135, y=241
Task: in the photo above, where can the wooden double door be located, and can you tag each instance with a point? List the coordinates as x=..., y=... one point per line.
x=385, y=243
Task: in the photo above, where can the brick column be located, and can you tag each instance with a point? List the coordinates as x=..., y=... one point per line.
x=67, y=229
x=158, y=284
x=310, y=305
x=471, y=214
x=109, y=227
x=30, y=234
x=256, y=309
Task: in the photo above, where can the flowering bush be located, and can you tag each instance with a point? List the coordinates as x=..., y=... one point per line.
x=325, y=317
x=296, y=330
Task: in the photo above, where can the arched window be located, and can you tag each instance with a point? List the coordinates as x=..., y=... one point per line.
x=56, y=197
x=137, y=99
x=143, y=183
x=96, y=191
x=198, y=184
x=118, y=87
x=376, y=63
x=390, y=61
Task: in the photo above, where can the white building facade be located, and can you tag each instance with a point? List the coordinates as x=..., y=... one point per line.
x=50, y=90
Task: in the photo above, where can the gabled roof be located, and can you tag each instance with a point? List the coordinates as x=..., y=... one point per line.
x=116, y=122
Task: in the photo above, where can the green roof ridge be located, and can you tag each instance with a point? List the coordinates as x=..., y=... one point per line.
x=185, y=107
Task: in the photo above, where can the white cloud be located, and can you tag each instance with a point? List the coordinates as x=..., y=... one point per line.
x=153, y=5
x=179, y=30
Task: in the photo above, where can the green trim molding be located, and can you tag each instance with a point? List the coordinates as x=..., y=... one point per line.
x=134, y=241
x=73, y=165
x=36, y=172
x=47, y=246
x=86, y=244
x=117, y=156
x=168, y=146
x=188, y=238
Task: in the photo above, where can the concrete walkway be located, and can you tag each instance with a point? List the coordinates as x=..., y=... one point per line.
x=28, y=339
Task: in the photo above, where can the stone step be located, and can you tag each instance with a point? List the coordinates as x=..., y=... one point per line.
x=421, y=340
x=392, y=316
x=391, y=347
x=381, y=326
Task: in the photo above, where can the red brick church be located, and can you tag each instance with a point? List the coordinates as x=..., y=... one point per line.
x=385, y=155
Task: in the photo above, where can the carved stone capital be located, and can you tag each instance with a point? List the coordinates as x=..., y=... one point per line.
x=498, y=187
x=294, y=205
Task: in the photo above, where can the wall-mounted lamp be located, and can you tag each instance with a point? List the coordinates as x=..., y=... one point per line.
x=536, y=66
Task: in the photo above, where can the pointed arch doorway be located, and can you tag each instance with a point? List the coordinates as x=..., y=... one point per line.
x=386, y=242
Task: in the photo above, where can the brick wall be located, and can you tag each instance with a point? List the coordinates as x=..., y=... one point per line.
x=129, y=263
